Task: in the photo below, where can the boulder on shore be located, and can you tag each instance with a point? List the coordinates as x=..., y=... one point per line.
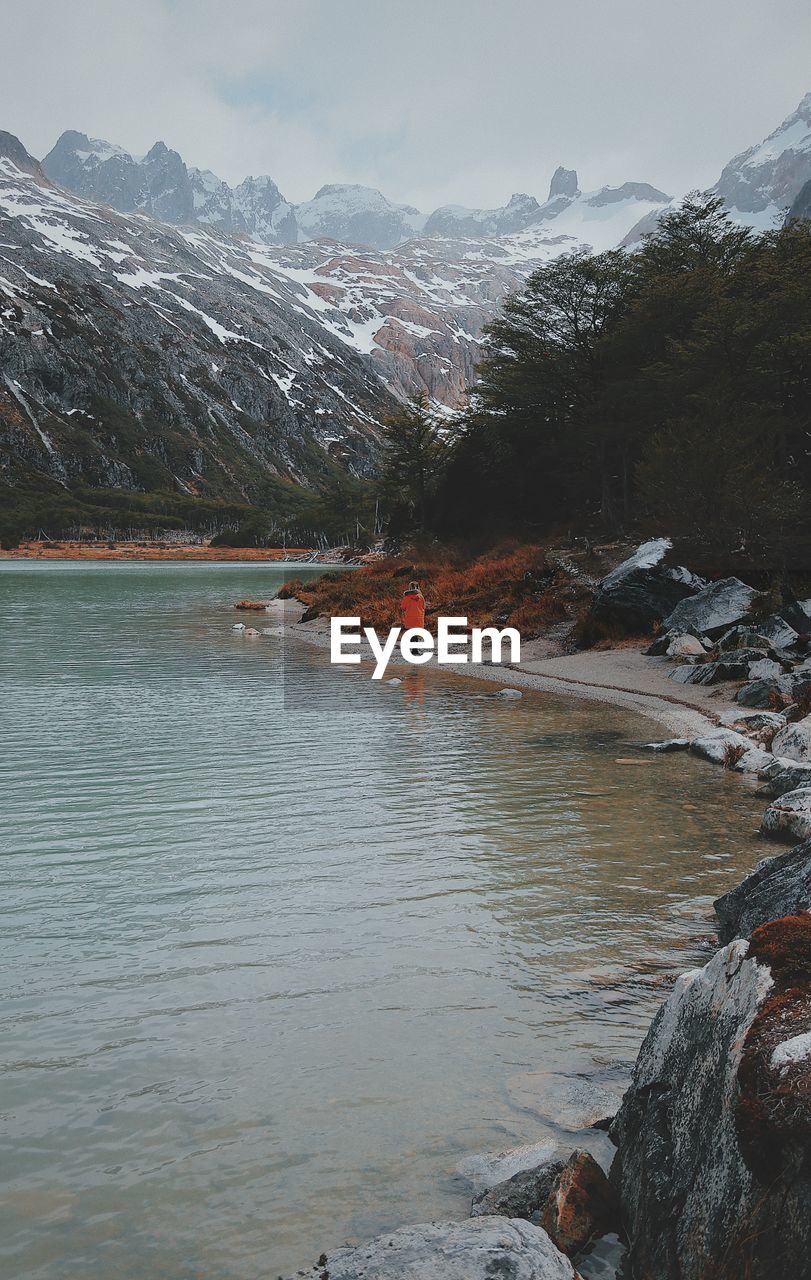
x=520, y=1196
x=713, y=1164
x=582, y=1207
x=794, y=741
x=733, y=666
x=685, y=647
x=643, y=589
x=764, y=669
x=742, y=637
x=789, y=816
x=756, y=723
x=761, y=693
x=797, y=613
x=720, y=746
x=779, y=886
x=781, y=776
x=713, y=609
x=478, y=1249
x=778, y=632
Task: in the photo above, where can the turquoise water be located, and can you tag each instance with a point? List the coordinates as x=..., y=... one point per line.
x=280, y=945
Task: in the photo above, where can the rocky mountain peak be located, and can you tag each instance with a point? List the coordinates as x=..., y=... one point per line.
x=766, y=178
x=564, y=183
x=12, y=149
x=170, y=194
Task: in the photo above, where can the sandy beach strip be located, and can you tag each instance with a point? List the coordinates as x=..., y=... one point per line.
x=621, y=677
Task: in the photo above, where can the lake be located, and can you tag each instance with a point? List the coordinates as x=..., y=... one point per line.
x=281, y=945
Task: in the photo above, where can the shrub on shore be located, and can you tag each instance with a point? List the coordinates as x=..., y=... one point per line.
x=511, y=585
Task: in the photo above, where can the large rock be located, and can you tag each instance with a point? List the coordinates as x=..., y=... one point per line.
x=713, y=609
x=643, y=589
x=487, y=1169
x=797, y=613
x=776, y=691
x=706, y=673
x=780, y=777
x=794, y=742
x=789, y=816
x=522, y=1195
x=493, y=1248
x=742, y=637
x=713, y=1163
x=758, y=724
x=761, y=693
x=778, y=632
x=721, y=746
x=582, y=1207
x=764, y=669
x=777, y=887
x=686, y=647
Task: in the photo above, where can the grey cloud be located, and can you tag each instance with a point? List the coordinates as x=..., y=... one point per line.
x=437, y=101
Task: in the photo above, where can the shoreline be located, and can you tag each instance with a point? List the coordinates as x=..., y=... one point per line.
x=623, y=677
x=180, y=552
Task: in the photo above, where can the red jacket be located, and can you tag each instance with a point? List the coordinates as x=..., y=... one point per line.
x=412, y=608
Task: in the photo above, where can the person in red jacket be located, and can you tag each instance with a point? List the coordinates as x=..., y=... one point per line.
x=412, y=607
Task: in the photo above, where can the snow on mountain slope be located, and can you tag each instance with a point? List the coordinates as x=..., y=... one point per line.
x=760, y=184
x=135, y=355
x=357, y=215
x=160, y=184
x=411, y=302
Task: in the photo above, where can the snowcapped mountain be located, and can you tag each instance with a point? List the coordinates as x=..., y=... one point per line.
x=760, y=184
x=160, y=184
x=159, y=328
x=763, y=185
x=135, y=355
x=357, y=215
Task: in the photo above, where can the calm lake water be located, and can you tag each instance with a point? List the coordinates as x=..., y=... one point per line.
x=279, y=945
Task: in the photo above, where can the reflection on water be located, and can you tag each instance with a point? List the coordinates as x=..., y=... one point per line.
x=280, y=945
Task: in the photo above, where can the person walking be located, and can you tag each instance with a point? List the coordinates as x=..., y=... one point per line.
x=412, y=607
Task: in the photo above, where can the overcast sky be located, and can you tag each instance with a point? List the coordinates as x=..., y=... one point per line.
x=433, y=101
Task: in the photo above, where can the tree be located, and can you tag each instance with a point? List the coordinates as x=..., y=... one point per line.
x=526, y=450
x=415, y=449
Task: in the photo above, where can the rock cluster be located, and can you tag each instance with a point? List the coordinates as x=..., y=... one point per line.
x=713, y=1167
x=479, y=1249
x=714, y=637
x=643, y=590
x=765, y=744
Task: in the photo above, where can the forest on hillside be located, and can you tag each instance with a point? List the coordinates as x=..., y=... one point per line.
x=667, y=389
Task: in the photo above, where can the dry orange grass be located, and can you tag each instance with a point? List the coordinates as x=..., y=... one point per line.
x=509, y=586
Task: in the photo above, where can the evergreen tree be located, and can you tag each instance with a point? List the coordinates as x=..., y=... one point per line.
x=415, y=449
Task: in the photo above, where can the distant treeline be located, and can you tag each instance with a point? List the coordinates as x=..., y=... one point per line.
x=669, y=387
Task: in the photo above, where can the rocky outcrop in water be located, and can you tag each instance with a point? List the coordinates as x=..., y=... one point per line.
x=489, y=1248
x=713, y=1166
x=522, y=1196
x=789, y=816
x=779, y=886
x=582, y=1207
